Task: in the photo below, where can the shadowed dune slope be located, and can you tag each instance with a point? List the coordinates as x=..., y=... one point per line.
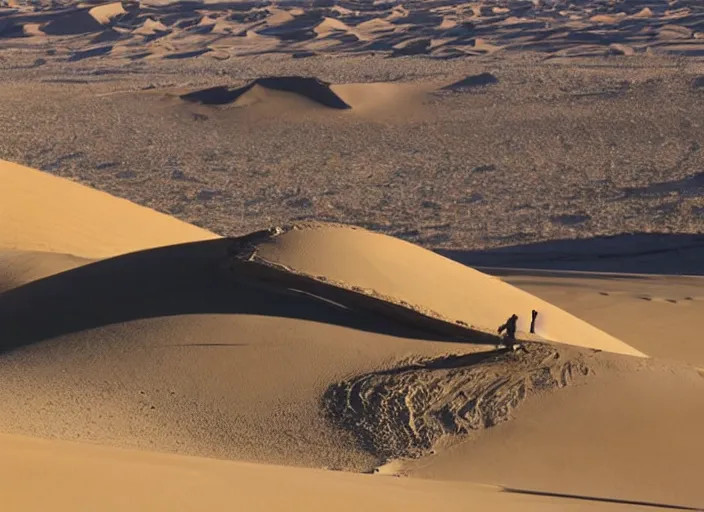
x=21, y=267
x=254, y=92
x=40, y=212
x=85, y=20
x=632, y=253
x=402, y=273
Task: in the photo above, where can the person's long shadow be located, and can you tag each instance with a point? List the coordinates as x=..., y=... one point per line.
x=175, y=280
x=636, y=253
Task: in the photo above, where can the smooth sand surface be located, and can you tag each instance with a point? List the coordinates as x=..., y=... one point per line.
x=40, y=212
x=659, y=315
x=37, y=474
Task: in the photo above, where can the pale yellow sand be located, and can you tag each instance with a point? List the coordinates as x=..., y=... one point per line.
x=659, y=315
x=624, y=436
x=38, y=475
x=39, y=212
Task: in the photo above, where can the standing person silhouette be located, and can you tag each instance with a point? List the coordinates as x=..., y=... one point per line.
x=532, y=322
x=509, y=327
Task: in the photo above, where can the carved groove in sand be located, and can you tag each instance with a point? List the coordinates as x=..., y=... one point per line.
x=405, y=411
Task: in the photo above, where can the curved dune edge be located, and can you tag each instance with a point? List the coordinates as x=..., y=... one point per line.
x=44, y=213
x=404, y=278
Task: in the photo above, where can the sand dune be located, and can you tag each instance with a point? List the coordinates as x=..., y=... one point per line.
x=316, y=345
x=264, y=89
x=658, y=315
x=187, y=325
x=21, y=267
x=282, y=93
x=444, y=289
x=84, y=478
x=40, y=212
x=440, y=30
x=86, y=20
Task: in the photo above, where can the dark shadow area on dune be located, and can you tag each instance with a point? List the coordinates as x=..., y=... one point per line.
x=311, y=88
x=177, y=280
x=636, y=253
x=75, y=23
x=691, y=186
x=597, y=499
x=479, y=80
x=92, y=52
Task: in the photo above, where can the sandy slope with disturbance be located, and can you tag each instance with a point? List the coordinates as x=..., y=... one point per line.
x=631, y=436
x=315, y=345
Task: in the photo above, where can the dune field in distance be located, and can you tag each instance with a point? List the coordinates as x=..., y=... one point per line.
x=256, y=255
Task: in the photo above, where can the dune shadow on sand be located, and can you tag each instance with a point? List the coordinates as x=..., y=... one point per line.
x=308, y=87
x=175, y=280
x=635, y=253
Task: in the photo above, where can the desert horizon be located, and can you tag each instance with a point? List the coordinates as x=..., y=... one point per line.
x=343, y=255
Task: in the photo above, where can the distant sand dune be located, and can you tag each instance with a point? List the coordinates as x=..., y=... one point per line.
x=281, y=92
x=444, y=30
x=255, y=92
x=84, y=21
x=479, y=80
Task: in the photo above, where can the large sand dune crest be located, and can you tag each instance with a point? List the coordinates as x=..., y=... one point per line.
x=188, y=279
x=444, y=289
